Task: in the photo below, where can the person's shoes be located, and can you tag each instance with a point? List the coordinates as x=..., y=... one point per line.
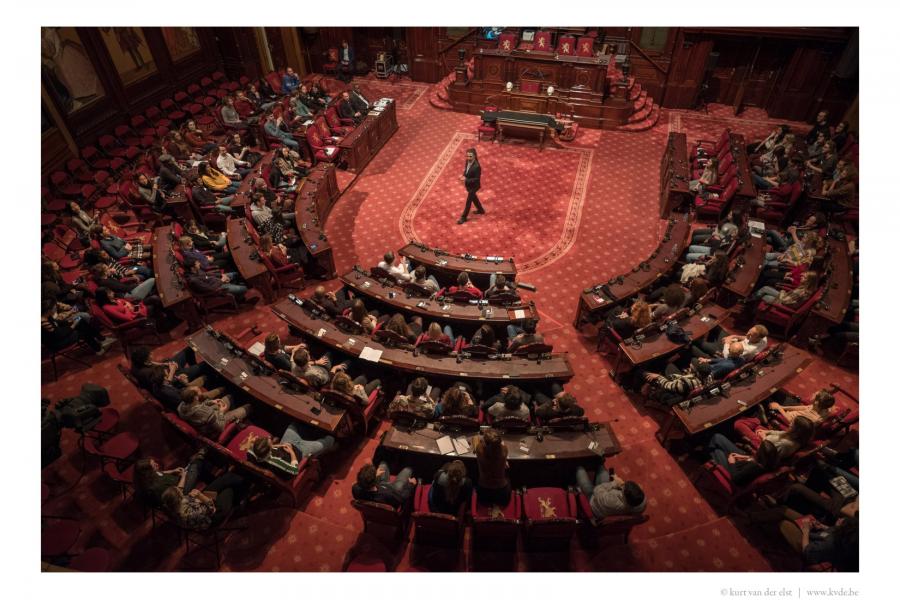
x=199, y=455
x=461, y=221
x=107, y=342
x=101, y=351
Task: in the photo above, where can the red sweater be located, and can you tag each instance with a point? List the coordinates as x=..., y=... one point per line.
x=123, y=310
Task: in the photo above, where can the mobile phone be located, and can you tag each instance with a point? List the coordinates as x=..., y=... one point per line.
x=315, y=410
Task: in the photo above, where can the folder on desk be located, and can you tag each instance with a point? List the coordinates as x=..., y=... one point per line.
x=445, y=444
x=461, y=445
x=519, y=313
x=256, y=349
x=370, y=354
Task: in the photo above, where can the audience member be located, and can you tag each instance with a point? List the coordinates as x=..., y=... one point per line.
x=450, y=490
x=493, y=483
x=375, y=485
x=609, y=495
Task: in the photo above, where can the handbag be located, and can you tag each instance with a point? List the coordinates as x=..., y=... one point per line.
x=676, y=334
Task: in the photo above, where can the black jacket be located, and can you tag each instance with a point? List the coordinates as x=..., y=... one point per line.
x=345, y=110
x=473, y=177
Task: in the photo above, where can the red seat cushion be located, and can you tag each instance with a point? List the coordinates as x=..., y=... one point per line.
x=58, y=538
x=492, y=511
x=120, y=446
x=546, y=503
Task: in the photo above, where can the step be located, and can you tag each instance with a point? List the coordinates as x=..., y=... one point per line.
x=635, y=92
x=441, y=93
x=644, y=124
x=642, y=100
x=438, y=103
x=643, y=113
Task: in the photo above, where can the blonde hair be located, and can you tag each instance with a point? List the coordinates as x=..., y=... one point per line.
x=640, y=314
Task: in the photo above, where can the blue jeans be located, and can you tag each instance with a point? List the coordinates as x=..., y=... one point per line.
x=307, y=447
x=141, y=290
x=289, y=141
x=400, y=483
x=223, y=238
x=699, y=236
x=761, y=183
x=513, y=330
x=777, y=240
x=767, y=294
x=720, y=447
x=449, y=333
x=772, y=259
x=694, y=253
x=232, y=188
x=584, y=482
x=234, y=288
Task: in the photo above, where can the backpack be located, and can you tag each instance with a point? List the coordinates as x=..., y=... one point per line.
x=676, y=334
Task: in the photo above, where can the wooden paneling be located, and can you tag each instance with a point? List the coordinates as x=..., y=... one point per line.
x=686, y=71
x=796, y=98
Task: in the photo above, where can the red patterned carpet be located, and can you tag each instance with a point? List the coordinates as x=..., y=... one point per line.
x=616, y=228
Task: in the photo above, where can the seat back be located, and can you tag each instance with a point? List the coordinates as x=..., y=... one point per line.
x=507, y=42
x=496, y=526
x=274, y=80
x=566, y=45
x=380, y=514
x=432, y=346
x=511, y=423
x=568, y=422
x=460, y=421
x=585, y=46
x=533, y=350
x=543, y=42
x=390, y=338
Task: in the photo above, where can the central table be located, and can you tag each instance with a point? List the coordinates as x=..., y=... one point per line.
x=515, y=121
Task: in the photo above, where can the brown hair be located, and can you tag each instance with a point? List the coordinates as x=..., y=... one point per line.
x=261, y=447
x=397, y=324
x=493, y=443
x=301, y=357
x=365, y=478
x=358, y=311
x=434, y=331
x=456, y=472
x=265, y=242
x=273, y=343
x=342, y=383
x=453, y=401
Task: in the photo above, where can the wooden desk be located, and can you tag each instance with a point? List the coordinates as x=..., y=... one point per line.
x=468, y=316
x=243, y=250
x=550, y=461
x=832, y=308
x=509, y=121
x=593, y=300
x=362, y=144
x=743, y=396
x=314, y=199
x=674, y=175
x=239, y=371
x=242, y=196
x=172, y=289
x=517, y=369
x=745, y=189
x=657, y=345
x=177, y=201
x=447, y=267
x=742, y=278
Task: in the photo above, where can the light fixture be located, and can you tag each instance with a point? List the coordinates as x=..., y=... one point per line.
x=550, y=90
x=509, y=86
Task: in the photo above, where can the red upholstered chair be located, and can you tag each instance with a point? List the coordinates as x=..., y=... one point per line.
x=432, y=346
x=361, y=417
x=218, y=77
x=94, y=158
x=585, y=46
x=543, y=42
x=62, y=184
x=711, y=147
x=566, y=45
x=290, y=276
x=715, y=205
x=335, y=123
x=380, y=519
x=79, y=170
x=533, y=350
x=195, y=91
x=329, y=67
x=720, y=482
x=67, y=352
x=786, y=318
x=507, y=42
x=436, y=529
x=551, y=517
x=123, y=477
x=320, y=148
x=487, y=129
x=142, y=126
x=322, y=126
x=617, y=525
x=496, y=527
x=779, y=208
x=130, y=137
x=127, y=331
x=172, y=112
x=274, y=81
x=155, y=116
x=118, y=448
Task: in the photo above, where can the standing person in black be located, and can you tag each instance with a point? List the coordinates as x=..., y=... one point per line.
x=472, y=177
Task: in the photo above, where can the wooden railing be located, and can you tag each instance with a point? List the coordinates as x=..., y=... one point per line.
x=646, y=57
x=444, y=52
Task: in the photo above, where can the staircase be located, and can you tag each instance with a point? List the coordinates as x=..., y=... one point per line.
x=439, y=97
x=646, y=111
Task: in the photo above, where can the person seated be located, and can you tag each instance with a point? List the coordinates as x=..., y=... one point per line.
x=419, y=399
x=493, y=485
x=717, y=368
x=282, y=255
x=176, y=147
x=741, y=467
x=436, y=334
x=814, y=542
x=241, y=151
x=555, y=403
x=764, y=175
x=206, y=283
x=265, y=219
x=802, y=250
x=842, y=186
x=263, y=98
x=399, y=269
x=166, y=379
x=524, y=335
x=197, y=140
x=286, y=170
x=772, y=140
x=316, y=92
x=375, y=485
x=508, y=403
x=409, y=331
x=208, y=411
x=456, y=401
x=150, y=481
x=809, y=283
x=421, y=277
x=358, y=313
x=820, y=126
x=485, y=336
x=284, y=455
x=190, y=253
x=317, y=372
x=245, y=106
x=301, y=110
x=709, y=176
x=346, y=111
x=115, y=246
x=274, y=127
x=120, y=271
x=118, y=309
x=358, y=101
x=673, y=385
x=232, y=167
x=610, y=495
x=462, y=285
x=277, y=355
x=717, y=269
x=198, y=510
x=334, y=303
x=130, y=288
x=787, y=443
x=626, y=323
x=204, y=197
x=821, y=408
x=753, y=342
x=149, y=192
x=215, y=180
x=170, y=173
x=232, y=118
x=817, y=149
x=358, y=388
x=289, y=81
x=841, y=135
x=705, y=240
x=313, y=103
x=499, y=287
x=451, y=489
x=62, y=326
x=673, y=298
x=54, y=287
x=825, y=162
